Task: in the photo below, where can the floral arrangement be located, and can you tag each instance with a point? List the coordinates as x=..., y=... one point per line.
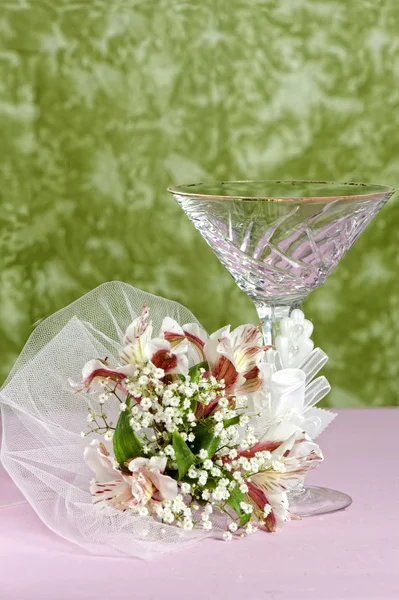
x=211, y=429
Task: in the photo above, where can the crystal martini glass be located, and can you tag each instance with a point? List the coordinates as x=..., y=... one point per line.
x=280, y=240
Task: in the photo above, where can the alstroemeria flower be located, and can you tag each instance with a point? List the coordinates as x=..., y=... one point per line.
x=122, y=491
x=149, y=482
x=236, y=356
x=171, y=360
x=139, y=347
x=192, y=333
x=289, y=462
x=138, y=327
x=136, y=340
x=109, y=485
x=96, y=371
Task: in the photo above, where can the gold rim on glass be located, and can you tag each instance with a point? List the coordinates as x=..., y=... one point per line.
x=348, y=190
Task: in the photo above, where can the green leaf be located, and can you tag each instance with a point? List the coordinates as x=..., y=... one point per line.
x=205, y=439
x=184, y=457
x=236, y=497
x=232, y=421
x=194, y=371
x=126, y=443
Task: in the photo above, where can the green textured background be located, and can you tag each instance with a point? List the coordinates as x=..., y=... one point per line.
x=103, y=104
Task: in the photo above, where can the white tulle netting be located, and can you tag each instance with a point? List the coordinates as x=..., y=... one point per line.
x=42, y=447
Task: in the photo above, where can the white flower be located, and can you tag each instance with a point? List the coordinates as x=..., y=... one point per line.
x=168, y=516
x=90, y=418
x=122, y=406
x=159, y=373
x=244, y=420
x=169, y=451
x=278, y=466
x=267, y=509
x=109, y=435
x=188, y=524
x=233, y=527
x=143, y=512
x=206, y=495
x=208, y=464
x=146, y=403
x=143, y=380
x=246, y=508
x=250, y=529
x=251, y=439
x=207, y=525
x=233, y=453
x=185, y=488
x=187, y=511
x=178, y=504
x=191, y=437
x=241, y=401
x=83, y=434
x=192, y=473
x=227, y=536
x=191, y=417
x=217, y=495
x=243, y=488
x=203, y=454
x=147, y=420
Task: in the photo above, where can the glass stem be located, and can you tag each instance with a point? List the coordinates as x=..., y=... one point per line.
x=270, y=313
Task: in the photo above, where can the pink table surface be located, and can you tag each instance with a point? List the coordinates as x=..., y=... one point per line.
x=352, y=554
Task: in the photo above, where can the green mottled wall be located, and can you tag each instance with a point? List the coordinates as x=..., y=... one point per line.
x=105, y=103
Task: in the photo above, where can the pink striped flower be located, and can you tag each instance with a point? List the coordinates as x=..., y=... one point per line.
x=167, y=353
x=144, y=483
x=191, y=335
x=289, y=462
x=236, y=356
x=96, y=371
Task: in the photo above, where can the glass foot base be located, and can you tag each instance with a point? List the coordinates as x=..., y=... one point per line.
x=312, y=501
